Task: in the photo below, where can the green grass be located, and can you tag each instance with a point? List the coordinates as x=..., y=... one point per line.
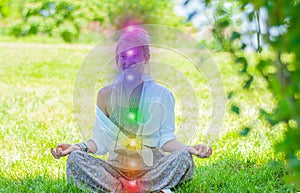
x=36, y=85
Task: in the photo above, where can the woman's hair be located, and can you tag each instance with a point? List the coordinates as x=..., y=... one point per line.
x=133, y=36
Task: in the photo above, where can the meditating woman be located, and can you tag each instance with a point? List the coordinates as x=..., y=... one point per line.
x=135, y=125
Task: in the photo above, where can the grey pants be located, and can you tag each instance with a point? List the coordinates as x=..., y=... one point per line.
x=102, y=176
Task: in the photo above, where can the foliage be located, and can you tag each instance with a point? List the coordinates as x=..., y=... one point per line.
x=68, y=19
x=147, y=12
x=11, y=9
x=68, y=32
x=62, y=18
x=4, y=9
x=279, y=35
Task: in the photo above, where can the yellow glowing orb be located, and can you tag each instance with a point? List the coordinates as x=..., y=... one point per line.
x=132, y=143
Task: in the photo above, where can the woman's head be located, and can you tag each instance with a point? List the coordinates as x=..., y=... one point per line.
x=133, y=48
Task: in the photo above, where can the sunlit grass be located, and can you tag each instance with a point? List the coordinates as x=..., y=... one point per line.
x=36, y=85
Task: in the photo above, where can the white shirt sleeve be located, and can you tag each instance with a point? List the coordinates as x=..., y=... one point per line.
x=97, y=139
x=167, y=128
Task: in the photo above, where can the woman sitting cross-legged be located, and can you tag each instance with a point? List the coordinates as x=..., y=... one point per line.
x=135, y=125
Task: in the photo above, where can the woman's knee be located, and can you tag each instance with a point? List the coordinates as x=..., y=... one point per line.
x=74, y=156
x=186, y=158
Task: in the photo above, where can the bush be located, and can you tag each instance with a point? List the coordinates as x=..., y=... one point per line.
x=80, y=23
x=31, y=9
x=68, y=32
x=47, y=26
x=67, y=18
x=15, y=28
x=32, y=25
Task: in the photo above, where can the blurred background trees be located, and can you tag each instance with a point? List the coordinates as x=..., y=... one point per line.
x=68, y=19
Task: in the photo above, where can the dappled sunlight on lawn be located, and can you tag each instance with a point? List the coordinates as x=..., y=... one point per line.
x=36, y=85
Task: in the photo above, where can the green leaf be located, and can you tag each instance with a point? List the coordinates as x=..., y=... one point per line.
x=186, y=2
x=191, y=15
x=248, y=82
x=259, y=49
x=243, y=46
x=229, y=96
x=235, y=35
x=269, y=117
x=224, y=21
x=244, y=63
x=262, y=64
x=283, y=111
x=245, y=131
x=235, y=109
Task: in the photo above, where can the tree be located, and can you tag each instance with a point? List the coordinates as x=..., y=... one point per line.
x=68, y=19
x=277, y=32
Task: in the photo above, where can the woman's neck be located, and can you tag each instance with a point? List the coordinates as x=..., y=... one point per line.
x=131, y=81
x=132, y=87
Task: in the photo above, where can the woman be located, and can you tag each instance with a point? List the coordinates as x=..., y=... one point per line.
x=135, y=125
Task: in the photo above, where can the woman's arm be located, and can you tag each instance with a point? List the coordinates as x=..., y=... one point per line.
x=65, y=149
x=168, y=141
x=199, y=150
x=91, y=145
x=173, y=145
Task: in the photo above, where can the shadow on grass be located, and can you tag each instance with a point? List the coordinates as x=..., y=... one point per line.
x=37, y=184
x=229, y=175
x=226, y=175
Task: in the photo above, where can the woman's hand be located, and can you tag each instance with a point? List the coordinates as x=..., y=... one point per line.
x=63, y=150
x=200, y=150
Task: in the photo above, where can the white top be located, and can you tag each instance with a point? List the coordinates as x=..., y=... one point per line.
x=157, y=121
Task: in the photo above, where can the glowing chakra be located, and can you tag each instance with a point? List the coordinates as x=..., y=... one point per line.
x=129, y=52
x=132, y=186
x=129, y=77
x=130, y=29
x=131, y=115
x=132, y=183
x=134, y=99
x=132, y=143
x=132, y=164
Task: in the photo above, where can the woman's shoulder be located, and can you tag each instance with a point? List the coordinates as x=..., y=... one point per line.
x=103, y=97
x=159, y=89
x=105, y=91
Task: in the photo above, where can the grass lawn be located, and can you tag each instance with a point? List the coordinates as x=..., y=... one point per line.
x=36, y=85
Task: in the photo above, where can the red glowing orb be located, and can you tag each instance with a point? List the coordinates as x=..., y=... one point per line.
x=132, y=186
